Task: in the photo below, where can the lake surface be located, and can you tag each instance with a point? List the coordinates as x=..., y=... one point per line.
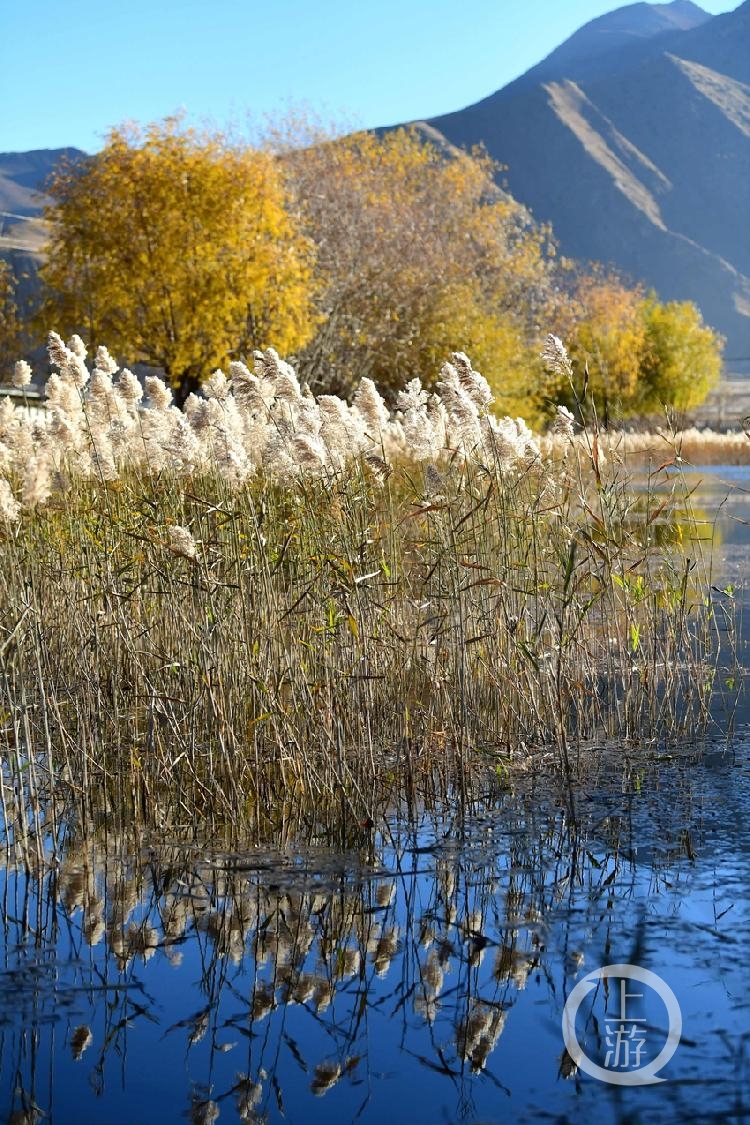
x=420, y=977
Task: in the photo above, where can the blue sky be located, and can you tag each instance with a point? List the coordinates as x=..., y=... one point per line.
x=71, y=70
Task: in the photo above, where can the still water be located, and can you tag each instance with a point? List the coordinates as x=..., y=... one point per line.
x=420, y=977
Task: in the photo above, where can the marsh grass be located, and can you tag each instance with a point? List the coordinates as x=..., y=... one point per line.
x=323, y=646
x=273, y=609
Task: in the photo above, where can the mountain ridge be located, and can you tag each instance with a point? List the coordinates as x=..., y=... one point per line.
x=638, y=156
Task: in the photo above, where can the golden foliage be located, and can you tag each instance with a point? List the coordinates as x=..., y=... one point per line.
x=608, y=340
x=634, y=354
x=179, y=249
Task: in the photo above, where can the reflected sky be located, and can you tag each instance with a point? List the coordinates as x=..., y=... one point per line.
x=420, y=979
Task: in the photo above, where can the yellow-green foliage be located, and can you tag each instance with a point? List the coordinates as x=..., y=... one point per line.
x=634, y=354
x=682, y=356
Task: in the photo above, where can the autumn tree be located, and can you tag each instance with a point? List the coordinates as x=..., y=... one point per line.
x=418, y=254
x=177, y=249
x=632, y=353
x=606, y=341
x=682, y=356
x=10, y=329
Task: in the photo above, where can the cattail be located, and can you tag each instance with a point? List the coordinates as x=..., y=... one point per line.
x=21, y=374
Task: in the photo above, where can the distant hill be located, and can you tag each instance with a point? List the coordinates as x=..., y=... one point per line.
x=22, y=199
x=633, y=139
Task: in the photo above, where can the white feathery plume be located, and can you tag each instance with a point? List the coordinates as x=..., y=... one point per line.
x=216, y=386
x=181, y=542
x=16, y=433
x=412, y=397
x=62, y=395
x=130, y=388
x=21, y=374
x=564, y=423
x=277, y=459
x=247, y=390
x=103, y=361
x=57, y=350
x=372, y=408
x=475, y=385
x=463, y=416
x=37, y=481
x=309, y=453
x=334, y=427
x=10, y=509
x=77, y=347
x=75, y=371
x=555, y=357
x=158, y=392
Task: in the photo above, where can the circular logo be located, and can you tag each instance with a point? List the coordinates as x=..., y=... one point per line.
x=626, y=1033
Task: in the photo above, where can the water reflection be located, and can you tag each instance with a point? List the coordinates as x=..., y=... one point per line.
x=421, y=977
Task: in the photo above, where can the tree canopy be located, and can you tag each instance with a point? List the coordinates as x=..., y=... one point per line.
x=179, y=250
x=633, y=353
x=366, y=255
x=418, y=254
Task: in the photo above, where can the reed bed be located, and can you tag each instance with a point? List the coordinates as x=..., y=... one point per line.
x=684, y=447
x=269, y=603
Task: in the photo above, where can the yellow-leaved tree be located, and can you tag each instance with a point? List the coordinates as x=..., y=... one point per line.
x=419, y=254
x=177, y=249
x=607, y=341
x=682, y=356
x=632, y=353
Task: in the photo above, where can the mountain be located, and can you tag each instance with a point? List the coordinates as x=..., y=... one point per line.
x=633, y=139
x=22, y=199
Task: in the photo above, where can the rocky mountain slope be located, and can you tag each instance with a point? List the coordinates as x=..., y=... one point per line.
x=633, y=140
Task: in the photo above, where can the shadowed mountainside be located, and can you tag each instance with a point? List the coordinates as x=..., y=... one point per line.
x=22, y=229
x=633, y=140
